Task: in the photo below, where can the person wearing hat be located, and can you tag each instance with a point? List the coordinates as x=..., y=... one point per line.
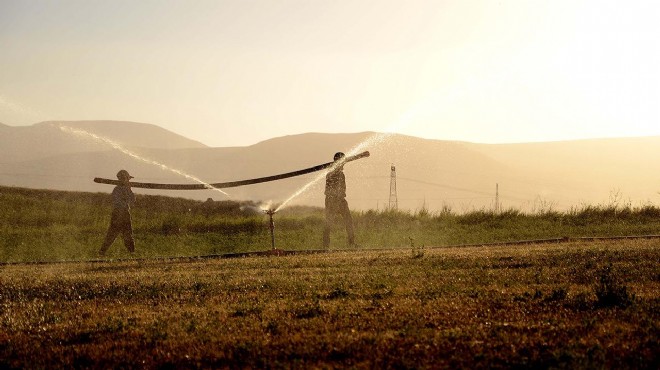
x=335, y=201
x=120, y=223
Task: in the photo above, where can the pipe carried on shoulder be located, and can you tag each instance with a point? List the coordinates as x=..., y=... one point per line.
x=230, y=184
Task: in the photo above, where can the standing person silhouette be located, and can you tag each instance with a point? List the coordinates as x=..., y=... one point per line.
x=120, y=223
x=335, y=201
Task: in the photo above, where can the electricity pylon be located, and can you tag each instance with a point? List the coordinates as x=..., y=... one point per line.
x=394, y=203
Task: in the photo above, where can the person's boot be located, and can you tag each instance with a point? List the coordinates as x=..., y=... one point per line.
x=104, y=249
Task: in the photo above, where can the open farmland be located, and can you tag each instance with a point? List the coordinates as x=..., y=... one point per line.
x=44, y=225
x=577, y=304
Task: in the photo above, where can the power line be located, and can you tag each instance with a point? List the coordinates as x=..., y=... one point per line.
x=447, y=186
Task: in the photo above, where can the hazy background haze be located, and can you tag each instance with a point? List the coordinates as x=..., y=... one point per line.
x=236, y=72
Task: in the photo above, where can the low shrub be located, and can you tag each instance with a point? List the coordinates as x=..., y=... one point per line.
x=610, y=289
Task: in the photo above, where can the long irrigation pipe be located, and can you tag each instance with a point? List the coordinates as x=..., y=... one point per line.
x=230, y=184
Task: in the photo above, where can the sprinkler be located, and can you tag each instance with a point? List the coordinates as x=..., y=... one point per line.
x=270, y=213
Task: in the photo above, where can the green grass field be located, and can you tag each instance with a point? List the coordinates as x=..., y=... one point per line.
x=38, y=225
x=410, y=297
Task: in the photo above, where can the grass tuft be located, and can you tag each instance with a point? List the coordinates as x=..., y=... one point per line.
x=610, y=289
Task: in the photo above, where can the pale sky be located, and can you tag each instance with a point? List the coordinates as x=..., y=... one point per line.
x=235, y=72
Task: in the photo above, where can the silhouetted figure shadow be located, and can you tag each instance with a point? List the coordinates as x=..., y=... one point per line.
x=120, y=223
x=335, y=202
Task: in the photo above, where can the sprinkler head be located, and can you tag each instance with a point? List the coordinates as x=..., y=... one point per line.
x=269, y=212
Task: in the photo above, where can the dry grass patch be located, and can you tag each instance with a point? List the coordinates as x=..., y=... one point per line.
x=529, y=306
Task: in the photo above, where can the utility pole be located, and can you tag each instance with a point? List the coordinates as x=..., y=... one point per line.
x=497, y=198
x=394, y=203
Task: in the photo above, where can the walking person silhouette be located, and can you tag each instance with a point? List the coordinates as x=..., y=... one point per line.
x=335, y=201
x=120, y=222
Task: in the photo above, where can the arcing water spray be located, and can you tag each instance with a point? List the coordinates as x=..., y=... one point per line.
x=117, y=146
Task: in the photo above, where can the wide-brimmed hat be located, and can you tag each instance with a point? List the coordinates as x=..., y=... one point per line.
x=123, y=175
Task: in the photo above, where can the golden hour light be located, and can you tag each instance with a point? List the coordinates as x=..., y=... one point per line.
x=329, y=184
x=231, y=73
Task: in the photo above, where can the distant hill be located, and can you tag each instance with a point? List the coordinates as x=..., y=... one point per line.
x=46, y=139
x=133, y=134
x=430, y=174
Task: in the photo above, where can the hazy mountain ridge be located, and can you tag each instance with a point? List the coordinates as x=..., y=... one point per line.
x=46, y=139
x=133, y=134
x=430, y=173
x=627, y=166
